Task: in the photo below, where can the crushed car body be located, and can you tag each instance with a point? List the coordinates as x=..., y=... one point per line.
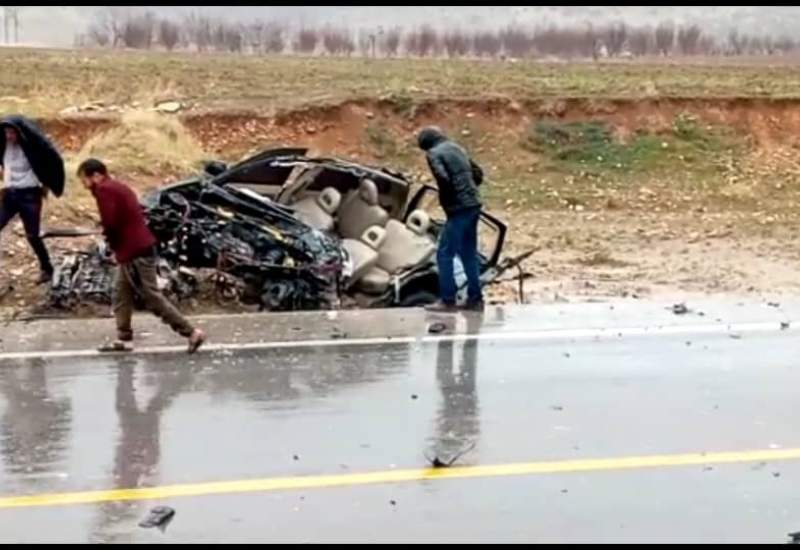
x=285, y=231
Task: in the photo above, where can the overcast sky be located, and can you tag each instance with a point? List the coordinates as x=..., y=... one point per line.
x=56, y=26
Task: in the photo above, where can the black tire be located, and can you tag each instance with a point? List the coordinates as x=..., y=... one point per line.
x=418, y=298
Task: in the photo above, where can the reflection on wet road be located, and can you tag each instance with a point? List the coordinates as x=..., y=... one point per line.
x=573, y=411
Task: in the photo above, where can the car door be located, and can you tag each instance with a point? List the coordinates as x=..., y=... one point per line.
x=491, y=230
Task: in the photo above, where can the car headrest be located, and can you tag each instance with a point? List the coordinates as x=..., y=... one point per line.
x=329, y=200
x=368, y=192
x=419, y=222
x=374, y=236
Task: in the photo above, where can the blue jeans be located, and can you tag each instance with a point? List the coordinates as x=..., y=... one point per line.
x=459, y=237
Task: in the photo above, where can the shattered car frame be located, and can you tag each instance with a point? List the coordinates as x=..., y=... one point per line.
x=244, y=223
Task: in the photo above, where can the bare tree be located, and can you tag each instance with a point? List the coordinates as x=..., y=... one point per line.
x=456, y=43
x=274, y=37
x=198, y=31
x=486, y=44
x=306, y=41
x=98, y=35
x=254, y=36
x=688, y=39
x=108, y=23
x=422, y=42
x=769, y=45
x=785, y=45
x=338, y=41
x=755, y=46
x=428, y=41
x=365, y=43
x=614, y=37
x=665, y=38
x=138, y=31
x=391, y=42
x=234, y=38
x=168, y=34
x=737, y=43
x=707, y=45
x=589, y=43
x=516, y=42
x=411, y=43
x=640, y=41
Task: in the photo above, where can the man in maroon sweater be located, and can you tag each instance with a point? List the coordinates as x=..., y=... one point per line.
x=134, y=247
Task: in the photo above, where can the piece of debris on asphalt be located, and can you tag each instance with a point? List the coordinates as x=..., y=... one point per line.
x=566, y=354
x=393, y=502
x=773, y=304
x=556, y=407
x=735, y=336
x=680, y=309
x=295, y=457
x=436, y=328
x=776, y=474
x=708, y=468
x=785, y=325
x=160, y=517
x=437, y=462
x=414, y=396
x=564, y=491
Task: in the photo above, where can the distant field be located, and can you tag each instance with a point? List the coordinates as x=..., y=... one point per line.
x=42, y=82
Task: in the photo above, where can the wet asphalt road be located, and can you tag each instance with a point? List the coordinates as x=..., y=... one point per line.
x=82, y=423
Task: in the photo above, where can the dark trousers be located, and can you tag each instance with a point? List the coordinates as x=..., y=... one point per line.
x=28, y=204
x=139, y=277
x=460, y=238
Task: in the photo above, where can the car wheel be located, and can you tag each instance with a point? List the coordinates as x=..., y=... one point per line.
x=418, y=298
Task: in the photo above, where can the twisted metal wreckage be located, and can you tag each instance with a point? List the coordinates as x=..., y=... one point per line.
x=246, y=230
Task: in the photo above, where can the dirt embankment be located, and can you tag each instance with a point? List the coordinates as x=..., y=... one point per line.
x=342, y=126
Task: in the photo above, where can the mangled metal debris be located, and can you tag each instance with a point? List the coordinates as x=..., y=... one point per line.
x=283, y=231
x=160, y=517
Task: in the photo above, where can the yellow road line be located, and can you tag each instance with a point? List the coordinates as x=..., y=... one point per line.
x=398, y=476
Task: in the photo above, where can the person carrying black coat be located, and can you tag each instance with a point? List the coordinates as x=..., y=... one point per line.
x=458, y=178
x=31, y=166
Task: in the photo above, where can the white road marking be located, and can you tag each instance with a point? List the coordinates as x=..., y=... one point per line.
x=540, y=335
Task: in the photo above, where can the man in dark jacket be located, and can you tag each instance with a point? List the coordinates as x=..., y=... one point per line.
x=458, y=178
x=31, y=165
x=134, y=247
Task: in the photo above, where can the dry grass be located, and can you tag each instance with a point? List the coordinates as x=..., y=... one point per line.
x=146, y=143
x=45, y=81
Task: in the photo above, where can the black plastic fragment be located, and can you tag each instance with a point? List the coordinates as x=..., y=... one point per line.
x=160, y=517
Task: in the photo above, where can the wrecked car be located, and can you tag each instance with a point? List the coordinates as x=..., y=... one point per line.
x=287, y=231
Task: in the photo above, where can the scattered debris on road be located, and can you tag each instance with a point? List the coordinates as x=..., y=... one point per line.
x=160, y=517
x=680, y=309
x=437, y=462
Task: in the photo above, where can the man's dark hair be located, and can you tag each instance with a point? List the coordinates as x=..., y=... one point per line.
x=90, y=167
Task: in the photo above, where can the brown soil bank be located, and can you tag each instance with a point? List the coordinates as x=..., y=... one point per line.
x=332, y=128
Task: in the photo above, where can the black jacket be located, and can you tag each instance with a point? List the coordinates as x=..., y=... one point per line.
x=45, y=160
x=457, y=176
